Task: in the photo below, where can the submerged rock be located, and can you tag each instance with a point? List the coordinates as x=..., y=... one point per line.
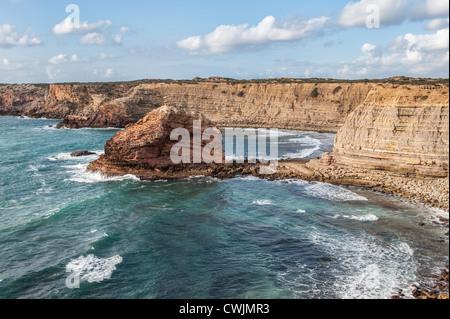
x=81, y=153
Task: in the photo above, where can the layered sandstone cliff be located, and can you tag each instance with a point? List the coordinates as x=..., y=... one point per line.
x=398, y=130
x=295, y=105
x=304, y=106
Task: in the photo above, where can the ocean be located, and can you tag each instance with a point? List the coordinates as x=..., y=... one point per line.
x=66, y=233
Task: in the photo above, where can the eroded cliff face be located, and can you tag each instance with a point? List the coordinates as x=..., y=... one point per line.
x=15, y=99
x=304, y=106
x=403, y=131
x=321, y=107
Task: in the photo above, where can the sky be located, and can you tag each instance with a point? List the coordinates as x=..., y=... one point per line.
x=53, y=41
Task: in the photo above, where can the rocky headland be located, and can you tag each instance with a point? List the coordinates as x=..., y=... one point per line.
x=144, y=149
x=392, y=136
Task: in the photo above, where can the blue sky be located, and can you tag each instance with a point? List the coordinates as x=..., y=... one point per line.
x=129, y=40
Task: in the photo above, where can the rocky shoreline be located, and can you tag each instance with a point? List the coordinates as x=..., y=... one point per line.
x=390, y=138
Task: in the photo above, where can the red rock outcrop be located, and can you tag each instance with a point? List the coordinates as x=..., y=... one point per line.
x=16, y=99
x=143, y=149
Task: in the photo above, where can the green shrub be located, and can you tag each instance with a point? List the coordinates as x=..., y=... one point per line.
x=337, y=89
x=315, y=93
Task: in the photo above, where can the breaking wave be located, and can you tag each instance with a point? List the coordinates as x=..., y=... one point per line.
x=93, y=269
x=81, y=175
x=332, y=192
x=363, y=218
x=264, y=202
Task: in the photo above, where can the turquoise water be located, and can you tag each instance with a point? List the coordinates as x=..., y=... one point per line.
x=195, y=238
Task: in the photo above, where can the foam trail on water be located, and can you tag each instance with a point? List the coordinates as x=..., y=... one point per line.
x=367, y=269
x=363, y=218
x=67, y=157
x=332, y=192
x=81, y=175
x=264, y=202
x=93, y=269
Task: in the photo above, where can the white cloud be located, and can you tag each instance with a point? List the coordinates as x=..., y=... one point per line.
x=93, y=38
x=5, y=62
x=67, y=26
x=109, y=73
x=103, y=56
x=58, y=59
x=355, y=14
x=227, y=38
x=430, y=9
x=119, y=37
x=52, y=74
x=437, y=24
x=74, y=58
x=63, y=58
x=96, y=33
x=409, y=54
x=10, y=37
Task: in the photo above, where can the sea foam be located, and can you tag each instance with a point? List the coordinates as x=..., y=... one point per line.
x=264, y=202
x=81, y=175
x=332, y=192
x=362, y=218
x=93, y=269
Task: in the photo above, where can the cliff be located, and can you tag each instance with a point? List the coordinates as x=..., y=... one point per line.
x=400, y=130
x=304, y=106
x=396, y=141
x=16, y=99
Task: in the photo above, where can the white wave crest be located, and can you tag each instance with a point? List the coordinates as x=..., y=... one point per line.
x=309, y=146
x=68, y=157
x=264, y=202
x=81, y=175
x=368, y=269
x=332, y=192
x=93, y=269
x=363, y=218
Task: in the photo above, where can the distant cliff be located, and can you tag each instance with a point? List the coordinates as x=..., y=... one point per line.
x=306, y=106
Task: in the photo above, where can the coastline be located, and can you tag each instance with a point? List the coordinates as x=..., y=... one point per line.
x=407, y=183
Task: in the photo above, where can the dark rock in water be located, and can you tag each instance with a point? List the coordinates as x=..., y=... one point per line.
x=50, y=126
x=81, y=153
x=421, y=224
